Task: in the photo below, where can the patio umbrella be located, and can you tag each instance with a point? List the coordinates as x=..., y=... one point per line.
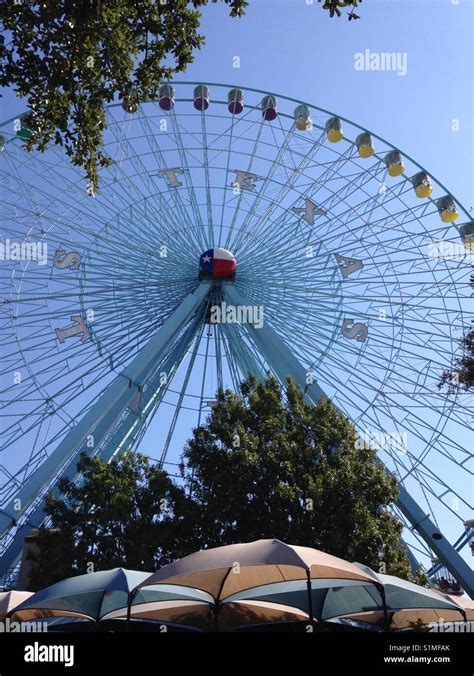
x=406, y=603
x=225, y=571
x=463, y=602
x=401, y=594
x=85, y=596
x=259, y=604
x=201, y=614
x=10, y=600
x=352, y=600
x=170, y=604
x=405, y=619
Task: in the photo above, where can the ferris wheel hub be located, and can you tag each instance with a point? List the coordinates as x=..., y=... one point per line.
x=217, y=263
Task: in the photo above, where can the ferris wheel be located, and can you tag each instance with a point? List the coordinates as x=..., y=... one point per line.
x=328, y=254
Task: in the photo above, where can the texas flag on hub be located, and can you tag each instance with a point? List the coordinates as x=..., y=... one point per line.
x=218, y=263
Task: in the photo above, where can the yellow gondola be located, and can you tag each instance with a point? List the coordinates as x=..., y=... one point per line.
x=365, y=145
x=467, y=235
x=394, y=162
x=422, y=184
x=447, y=209
x=334, y=130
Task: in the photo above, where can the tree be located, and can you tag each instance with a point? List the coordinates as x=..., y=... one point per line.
x=334, y=7
x=263, y=467
x=462, y=375
x=70, y=57
x=127, y=513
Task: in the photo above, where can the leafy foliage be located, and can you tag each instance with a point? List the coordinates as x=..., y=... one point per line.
x=334, y=7
x=127, y=513
x=264, y=468
x=71, y=57
x=462, y=376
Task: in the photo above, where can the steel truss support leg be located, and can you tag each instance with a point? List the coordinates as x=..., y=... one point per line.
x=285, y=364
x=96, y=424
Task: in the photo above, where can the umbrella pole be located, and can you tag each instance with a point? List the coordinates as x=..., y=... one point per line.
x=129, y=611
x=385, y=611
x=310, y=597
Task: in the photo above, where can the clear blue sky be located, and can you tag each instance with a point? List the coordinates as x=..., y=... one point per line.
x=289, y=47
x=296, y=49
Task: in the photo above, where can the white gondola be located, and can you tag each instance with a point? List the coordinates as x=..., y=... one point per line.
x=303, y=120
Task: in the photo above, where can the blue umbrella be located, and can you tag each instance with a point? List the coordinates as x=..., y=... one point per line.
x=168, y=604
x=91, y=596
x=329, y=597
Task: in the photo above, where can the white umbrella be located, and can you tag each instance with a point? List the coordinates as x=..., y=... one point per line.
x=10, y=600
